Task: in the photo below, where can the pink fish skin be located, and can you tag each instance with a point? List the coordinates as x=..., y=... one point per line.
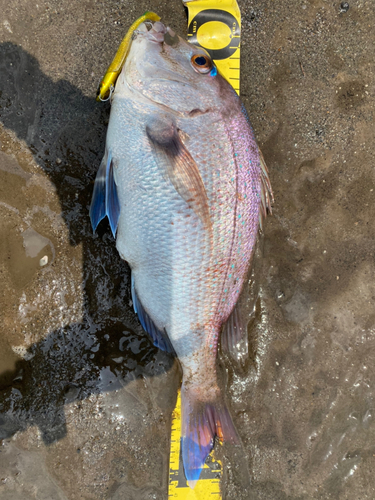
x=184, y=184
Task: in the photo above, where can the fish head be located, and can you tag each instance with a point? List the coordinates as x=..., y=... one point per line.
x=171, y=72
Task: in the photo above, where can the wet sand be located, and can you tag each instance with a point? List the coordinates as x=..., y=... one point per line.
x=85, y=399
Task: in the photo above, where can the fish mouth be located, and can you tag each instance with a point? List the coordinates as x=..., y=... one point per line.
x=157, y=32
x=151, y=40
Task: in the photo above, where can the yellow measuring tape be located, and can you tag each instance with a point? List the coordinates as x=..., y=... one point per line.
x=215, y=25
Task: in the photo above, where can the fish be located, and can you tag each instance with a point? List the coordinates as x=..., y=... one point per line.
x=185, y=188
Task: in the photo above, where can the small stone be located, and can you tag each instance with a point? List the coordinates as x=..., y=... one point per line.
x=344, y=7
x=43, y=261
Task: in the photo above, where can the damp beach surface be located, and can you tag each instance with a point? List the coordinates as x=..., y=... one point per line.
x=85, y=399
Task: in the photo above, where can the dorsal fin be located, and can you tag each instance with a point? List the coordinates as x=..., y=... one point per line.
x=266, y=194
x=234, y=335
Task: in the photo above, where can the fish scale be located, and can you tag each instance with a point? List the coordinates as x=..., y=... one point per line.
x=185, y=171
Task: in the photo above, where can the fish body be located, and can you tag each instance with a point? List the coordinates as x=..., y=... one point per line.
x=183, y=182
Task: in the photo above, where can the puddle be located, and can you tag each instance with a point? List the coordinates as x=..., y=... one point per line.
x=33, y=242
x=23, y=253
x=26, y=475
x=8, y=361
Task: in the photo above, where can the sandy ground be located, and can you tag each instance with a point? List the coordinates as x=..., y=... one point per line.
x=85, y=399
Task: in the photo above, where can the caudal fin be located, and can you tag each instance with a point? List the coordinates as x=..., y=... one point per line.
x=201, y=422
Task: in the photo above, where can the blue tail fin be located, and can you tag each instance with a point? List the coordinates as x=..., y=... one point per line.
x=201, y=422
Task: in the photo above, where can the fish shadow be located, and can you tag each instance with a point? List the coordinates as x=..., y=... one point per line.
x=65, y=131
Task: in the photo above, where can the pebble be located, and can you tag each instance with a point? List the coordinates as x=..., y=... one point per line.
x=344, y=7
x=43, y=261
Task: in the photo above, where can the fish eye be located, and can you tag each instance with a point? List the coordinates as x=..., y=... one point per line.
x=201, y=63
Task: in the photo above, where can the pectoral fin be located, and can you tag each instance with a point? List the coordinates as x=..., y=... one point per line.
x=180, y=166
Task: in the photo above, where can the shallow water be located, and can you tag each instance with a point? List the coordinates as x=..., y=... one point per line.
x=85, y=399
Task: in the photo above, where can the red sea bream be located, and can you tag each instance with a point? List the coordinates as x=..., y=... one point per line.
x=184, y=186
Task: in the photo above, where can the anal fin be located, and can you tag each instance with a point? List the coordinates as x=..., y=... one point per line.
x=159, y=338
